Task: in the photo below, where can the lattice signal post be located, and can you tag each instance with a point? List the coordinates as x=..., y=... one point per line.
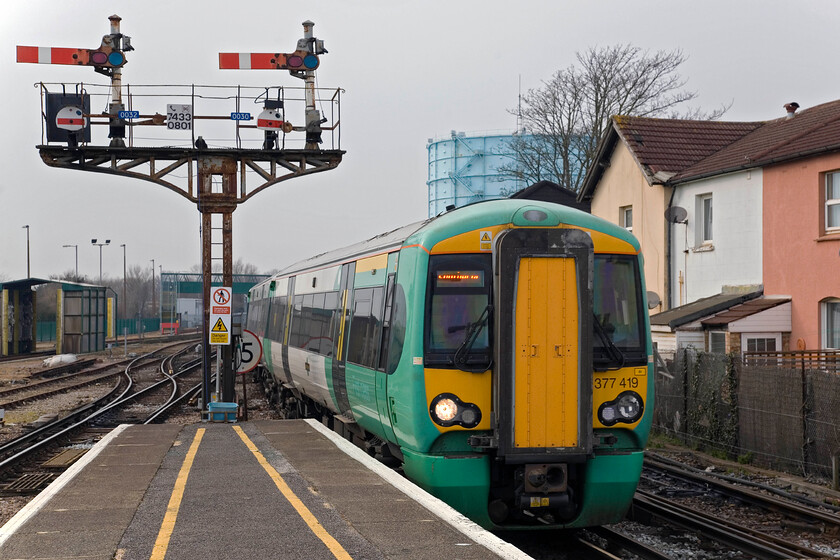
x=216, y=175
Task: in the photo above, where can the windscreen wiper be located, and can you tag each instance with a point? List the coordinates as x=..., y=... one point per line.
x=616, y=355
x=473, y=330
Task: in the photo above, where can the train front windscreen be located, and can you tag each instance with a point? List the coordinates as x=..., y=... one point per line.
x=619, y=326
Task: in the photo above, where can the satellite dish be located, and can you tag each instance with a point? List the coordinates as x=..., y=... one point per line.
x=653, y=300
x=676, y=215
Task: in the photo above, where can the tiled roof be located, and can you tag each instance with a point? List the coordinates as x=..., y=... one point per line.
x=744, y=310
x=808, y=132
x=688, y=150
x=672, y=145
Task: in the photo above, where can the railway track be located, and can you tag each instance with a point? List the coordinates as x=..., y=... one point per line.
x=27, y=462
x=745, y=539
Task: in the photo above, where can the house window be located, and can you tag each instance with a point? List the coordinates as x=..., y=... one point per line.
x=761, y=344
x=717, y=342
x=625, y=217
x=704, y=219
x=830, y=311
x=832, y=201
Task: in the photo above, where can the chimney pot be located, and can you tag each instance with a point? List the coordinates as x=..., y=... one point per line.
x=791, y=108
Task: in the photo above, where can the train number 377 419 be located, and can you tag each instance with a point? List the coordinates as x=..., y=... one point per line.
x=613, y=382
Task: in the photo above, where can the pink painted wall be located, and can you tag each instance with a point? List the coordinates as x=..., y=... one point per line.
x=799, y=259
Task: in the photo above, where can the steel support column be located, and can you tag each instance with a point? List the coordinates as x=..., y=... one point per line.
x=222, y=203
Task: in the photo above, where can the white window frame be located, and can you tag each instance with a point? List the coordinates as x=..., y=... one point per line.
x=623, y=213
x=714, y=333
x=746, y=337
x=831, y=179
x=704, y=229
x=829, y=325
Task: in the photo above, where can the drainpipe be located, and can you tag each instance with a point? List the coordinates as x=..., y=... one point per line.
x=668, y=227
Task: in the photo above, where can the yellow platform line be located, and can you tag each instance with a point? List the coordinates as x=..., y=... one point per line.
x=168, y=525
x=316, y=527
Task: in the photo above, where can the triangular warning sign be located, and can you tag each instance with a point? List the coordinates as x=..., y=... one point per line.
x=485, y=236
x=219, y=326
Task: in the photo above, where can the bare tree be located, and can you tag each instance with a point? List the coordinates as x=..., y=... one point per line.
x=239, y=267
x=138, y=281
x=563, y=121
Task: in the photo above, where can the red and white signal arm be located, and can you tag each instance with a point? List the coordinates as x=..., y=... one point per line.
x=251, y=351
x=70, y=118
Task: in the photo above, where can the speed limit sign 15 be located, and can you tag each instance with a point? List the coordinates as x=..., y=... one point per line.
x=250, y=348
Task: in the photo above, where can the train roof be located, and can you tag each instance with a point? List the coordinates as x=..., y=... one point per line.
x=453, y=222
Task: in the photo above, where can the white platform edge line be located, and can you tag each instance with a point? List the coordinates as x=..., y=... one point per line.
x=441, y=509
x=35, y=505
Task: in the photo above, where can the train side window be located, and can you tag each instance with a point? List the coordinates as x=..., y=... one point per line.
x=386, y=324
x=316, y=322
x=330, y=315
x=277, y=319
x=295, y=334
x=306, y=322
x=365, y=326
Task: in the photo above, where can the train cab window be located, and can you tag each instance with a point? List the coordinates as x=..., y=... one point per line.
x=458, y=317
x=619, y=316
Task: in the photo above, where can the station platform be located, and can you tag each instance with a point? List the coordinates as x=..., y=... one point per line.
x=249, y=490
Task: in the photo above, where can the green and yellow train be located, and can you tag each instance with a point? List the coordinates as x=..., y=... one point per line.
x=501, y=352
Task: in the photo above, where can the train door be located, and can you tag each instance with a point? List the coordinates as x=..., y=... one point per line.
x=543, y=387
x=382, y=376
x=545, y=373
x=340, y=335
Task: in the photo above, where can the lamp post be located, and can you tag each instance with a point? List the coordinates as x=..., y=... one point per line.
x=77, y=259
x=100, y=245
x=26, y=227
x=153, y=286
x=125, y=301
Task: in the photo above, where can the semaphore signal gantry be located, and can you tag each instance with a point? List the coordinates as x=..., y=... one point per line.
x=251, y=126
x=233, y=141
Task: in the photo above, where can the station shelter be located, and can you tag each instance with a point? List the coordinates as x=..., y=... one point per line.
x=84, y=317
x=181, y=297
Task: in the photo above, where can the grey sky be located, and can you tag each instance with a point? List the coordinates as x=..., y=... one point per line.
x=410, y=71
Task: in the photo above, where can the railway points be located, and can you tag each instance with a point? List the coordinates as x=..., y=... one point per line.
x=289, y=487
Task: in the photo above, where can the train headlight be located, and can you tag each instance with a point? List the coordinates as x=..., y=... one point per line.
x=626, y=408
x=448, y=410
x=445, y=410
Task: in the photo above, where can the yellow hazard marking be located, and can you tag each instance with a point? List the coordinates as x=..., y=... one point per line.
x=219, y=326
x=537, y=501
x=219, y=338
x=168, y=525
x=316, y=527
x=485, y=241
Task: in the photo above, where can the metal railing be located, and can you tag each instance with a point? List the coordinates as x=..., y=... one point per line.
x=223, y=116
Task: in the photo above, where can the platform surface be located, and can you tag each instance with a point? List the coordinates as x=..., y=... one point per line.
x=251, y=490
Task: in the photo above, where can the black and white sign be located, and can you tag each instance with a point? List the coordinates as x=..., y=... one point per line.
x=179, y=117
x=251, y=351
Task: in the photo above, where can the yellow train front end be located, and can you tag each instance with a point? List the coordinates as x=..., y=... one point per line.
x=536, y=370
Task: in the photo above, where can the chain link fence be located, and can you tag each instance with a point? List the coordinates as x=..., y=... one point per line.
x=781, y=417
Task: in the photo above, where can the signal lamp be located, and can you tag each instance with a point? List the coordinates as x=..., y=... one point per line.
x=294, y=61
x=310, y=61
x=116, y=58
x=99, y=57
